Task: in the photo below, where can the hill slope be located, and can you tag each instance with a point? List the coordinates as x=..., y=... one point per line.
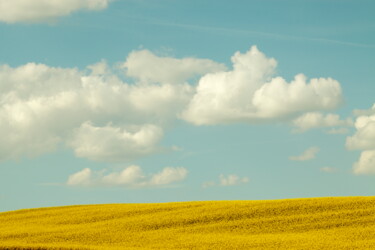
x=319, y=223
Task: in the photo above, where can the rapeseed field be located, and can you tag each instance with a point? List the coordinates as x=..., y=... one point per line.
x=317, y=223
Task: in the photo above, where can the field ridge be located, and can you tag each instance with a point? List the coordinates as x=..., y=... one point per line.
x=309, y=223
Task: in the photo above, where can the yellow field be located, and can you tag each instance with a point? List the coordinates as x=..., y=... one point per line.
x=319, y=223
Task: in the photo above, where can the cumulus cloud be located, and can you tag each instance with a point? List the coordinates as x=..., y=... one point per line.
x=81, y=178
x=168, y=175
x=103, y=118
x=111, y=143
x=42, y=107
x=148, y=67
x=366, y=163
x=313, y=120
x=364, y=139
x=250, y=93
x=34, y=11
x=308, y=154
x=100, y=68
x=131, y=177
x=227, y=180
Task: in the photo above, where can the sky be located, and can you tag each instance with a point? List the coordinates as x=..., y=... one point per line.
x=144, y=101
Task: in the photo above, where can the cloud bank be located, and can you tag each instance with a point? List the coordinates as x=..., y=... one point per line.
x=103, y=118
x=91, y=111
x=36, y=11
x=130, y=177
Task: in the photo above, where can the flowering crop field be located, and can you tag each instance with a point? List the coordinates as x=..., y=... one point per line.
x=316, y=223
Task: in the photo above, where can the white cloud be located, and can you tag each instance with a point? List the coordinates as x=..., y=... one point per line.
x=248, y=93
x=366, y=163
x=33, y=11
x=313, y=120
x=42, y=107
x=99, y=115
x=160, y=102
x=111, y=143
x=148, y=67
x=131, y=177
x=232, y=180
x=33, y=103
x=100, y=68
x=364, y=139
x=81, y=178
x=309, y=154
x=168, y=175
x=229, y=180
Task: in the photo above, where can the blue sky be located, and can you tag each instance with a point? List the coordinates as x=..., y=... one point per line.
x=167, y=100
